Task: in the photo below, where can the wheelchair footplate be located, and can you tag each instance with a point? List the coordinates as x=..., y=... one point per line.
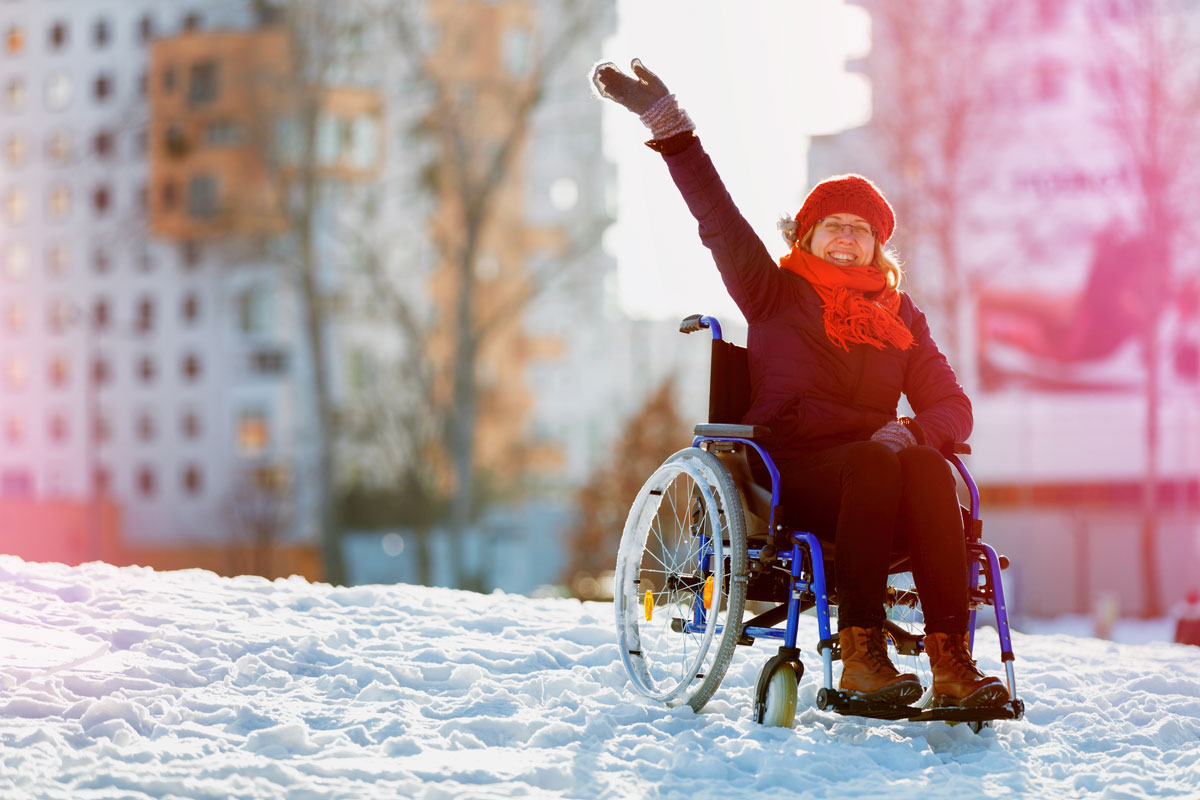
x=841, y=703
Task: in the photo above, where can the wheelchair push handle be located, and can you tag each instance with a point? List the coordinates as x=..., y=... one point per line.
x=698, y=322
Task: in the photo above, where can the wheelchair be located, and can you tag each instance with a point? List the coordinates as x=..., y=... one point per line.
x=704, y=539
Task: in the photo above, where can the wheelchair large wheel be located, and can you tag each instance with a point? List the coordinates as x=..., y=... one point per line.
x=684, y=541
x=907, y=624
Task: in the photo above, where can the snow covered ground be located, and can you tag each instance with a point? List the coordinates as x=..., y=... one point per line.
x=127, y=683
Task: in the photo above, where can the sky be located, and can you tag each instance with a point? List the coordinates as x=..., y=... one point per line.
x=757, y=79
x=126, y=682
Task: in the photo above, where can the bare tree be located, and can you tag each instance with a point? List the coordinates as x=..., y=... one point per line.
x=652, y=434
x=1148, y=76
x=934, y=120
x=478, y=122
x=259, y=509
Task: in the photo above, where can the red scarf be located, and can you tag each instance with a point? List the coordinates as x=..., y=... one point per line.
x=860, y=308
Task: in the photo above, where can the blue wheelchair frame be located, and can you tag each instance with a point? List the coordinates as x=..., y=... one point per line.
x=979, y=554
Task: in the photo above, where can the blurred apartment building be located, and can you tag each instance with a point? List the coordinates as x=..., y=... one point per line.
x=155, y=379
x=1000, y=142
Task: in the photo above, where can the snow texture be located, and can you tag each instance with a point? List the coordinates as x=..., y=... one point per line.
x=130, y=683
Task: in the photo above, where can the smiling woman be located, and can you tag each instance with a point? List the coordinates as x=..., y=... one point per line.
x=832, y=345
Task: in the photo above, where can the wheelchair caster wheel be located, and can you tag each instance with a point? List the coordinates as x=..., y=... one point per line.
x=779, y=701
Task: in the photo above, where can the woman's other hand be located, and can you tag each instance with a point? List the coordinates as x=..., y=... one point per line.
x=637, y=93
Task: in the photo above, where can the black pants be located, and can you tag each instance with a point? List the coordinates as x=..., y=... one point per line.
x=872, y=502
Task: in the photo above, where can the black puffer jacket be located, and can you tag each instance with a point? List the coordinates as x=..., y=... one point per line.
x=812, y=393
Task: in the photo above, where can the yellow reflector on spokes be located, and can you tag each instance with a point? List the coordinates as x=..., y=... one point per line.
x=648, y=604
x=708, y=589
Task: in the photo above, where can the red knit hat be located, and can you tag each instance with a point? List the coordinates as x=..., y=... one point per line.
x=847, y=194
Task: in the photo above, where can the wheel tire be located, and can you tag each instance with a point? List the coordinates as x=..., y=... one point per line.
x=782, y=690
x=661, y=554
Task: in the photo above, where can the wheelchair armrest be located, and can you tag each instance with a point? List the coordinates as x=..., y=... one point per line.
x=956, y=449
x=722, y=430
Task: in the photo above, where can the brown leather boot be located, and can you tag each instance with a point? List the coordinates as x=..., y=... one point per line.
x=956, y=681
x=867, y=672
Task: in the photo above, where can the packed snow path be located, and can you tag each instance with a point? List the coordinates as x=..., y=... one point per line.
x=133, y=683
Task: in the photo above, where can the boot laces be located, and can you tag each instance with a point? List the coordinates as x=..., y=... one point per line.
x=959, y=659
x=876, y=651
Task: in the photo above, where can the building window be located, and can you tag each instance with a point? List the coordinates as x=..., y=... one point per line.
x=16, y=205
x=14, y=94
x=103, y=144
x=58, y=36
x=202, y=83
x=14, y=430
x=101, y=371
x=170, y=195
x=253, y=309
x=16, y=261
x=58, y=147
x=59, y=315
x=101, y=260
x=101, y=480
x=252, y=433
x=102, y=88
x=101, y=33
x=193, y=479
x=14, y=40
x=15, y=150
x=191, y=22
x=192, y=427
x=191, y=308
x=60, y=202
x=223, y=133
x=58, y=428
x=58, y=260
x=58, y=92
x=60, y=371
x=101, y=428
x=143, y=84
x=15, y=317
x=101, y=200
x=146, y=369
x=144, y=321
x=203, y=195
x=191, y=367
x=146, y=482
x=145, y=28
x=145, y=426
x=191, y=253
x=268, y=362
x=100, y=314
x=16, y=372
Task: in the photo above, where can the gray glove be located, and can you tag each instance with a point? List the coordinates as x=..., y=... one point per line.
x=637, y=94
x=895, y=435
x=645, y=95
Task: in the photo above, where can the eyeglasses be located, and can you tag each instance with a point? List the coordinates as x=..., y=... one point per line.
x=862, y=233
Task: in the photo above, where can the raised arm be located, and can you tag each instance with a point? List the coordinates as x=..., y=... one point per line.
x=747, y=269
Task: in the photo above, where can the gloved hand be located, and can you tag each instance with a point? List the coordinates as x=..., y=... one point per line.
x=895, y=435
x=637, y=94
x=645, y=95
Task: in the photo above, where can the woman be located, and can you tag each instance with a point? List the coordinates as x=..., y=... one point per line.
x=832, y=344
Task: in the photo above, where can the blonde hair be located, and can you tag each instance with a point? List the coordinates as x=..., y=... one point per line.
x=886, y=261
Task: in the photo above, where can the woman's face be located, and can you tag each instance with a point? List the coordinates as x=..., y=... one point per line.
x=844, y=239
